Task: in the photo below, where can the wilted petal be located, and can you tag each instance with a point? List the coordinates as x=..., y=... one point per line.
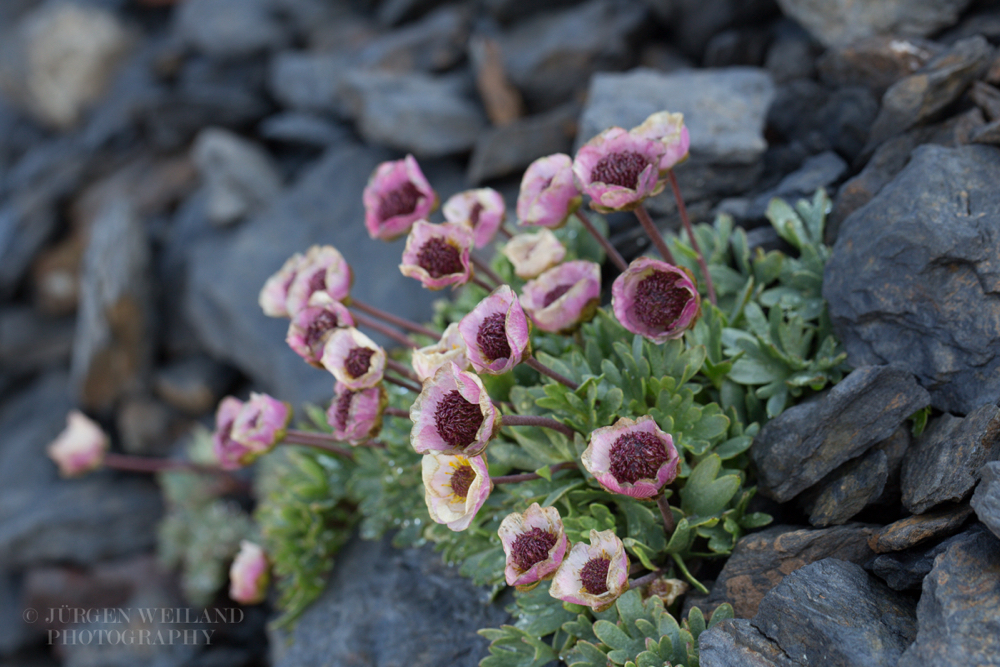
x=483, y=210
x=438, y=255
x=356, y=414
x=534, y=543
x=396, y=196
x=312, y=326
x=669, y=129
x=562, y=298
x=549, y=192
x=323, y=270
x=533, y=254
x=451, y=348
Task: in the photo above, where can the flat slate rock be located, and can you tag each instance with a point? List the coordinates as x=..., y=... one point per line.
x=761, y=560
x=737, y=642
x=941, y=466
x=959, y=611
x=986, y=499
x=914, y=278
x=386, y=607
x=913, y=530
x=800, y=446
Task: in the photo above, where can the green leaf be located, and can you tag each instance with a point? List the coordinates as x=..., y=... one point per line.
x=704, y=495
x=512, y=647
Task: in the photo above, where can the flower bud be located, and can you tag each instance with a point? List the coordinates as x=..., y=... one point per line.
x=533, y=254
x=273, y=298
x=246, y=431
x=81, y=446
x=549, y=192
x=482, y=210
x=249, y=575
x=356, y=414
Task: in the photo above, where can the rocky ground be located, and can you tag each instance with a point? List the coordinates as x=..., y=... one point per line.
x=160, y=158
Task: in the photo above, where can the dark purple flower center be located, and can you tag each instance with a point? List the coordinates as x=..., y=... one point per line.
x=620, y=169
x=594, y=576
x=477, y=210
x=462, y=479
x=401, y=201
x=659, y=301
x=358, y=361
x=320, y=325
x=637, y=455
x=457, y=420
x=547, y=183
x=555, y=294
x=317, y=281
x=344, y=408
x=492, y=337
x=439, y=258
x=226, y=431
x=531, y=547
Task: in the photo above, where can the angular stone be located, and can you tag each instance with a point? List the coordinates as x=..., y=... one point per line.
x=914, y=530
x=818, y=171
x=920, y=96
x=839, y=22
x=799, y=447
x=986, y=98
x=737, y=642
x=988, y=134
x=435, y=43
x=240, y=176
x=875, y=62
x=761, y=560
x=958, y=611
x=504, y=150
x=914, y=276
x=986, y=499
x=852, y=488
x=308, y=82
x=377, y=591
x=943, y=462
x=229, y=28
x=303, y=129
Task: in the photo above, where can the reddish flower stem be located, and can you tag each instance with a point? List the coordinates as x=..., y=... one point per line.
x=397, y=412
x=528, y=476
x=654, y=234
x=505, y=230
x=402, y=383
x=149, y=464
x=401, y=370
x=682, y=209
x=482, y=283
x=325, y=442
x=609, y=249
x=667, y=514
x=485, y=269
x=400, y=322
x=532, y=420
x=545, y=370
x=388, y=331
x=647, y=578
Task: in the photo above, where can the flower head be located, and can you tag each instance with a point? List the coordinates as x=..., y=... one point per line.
x=634, y=458
x=249, y=574
x=313, y=325
x=453, y=414
x=562, y=298
x=669, y=129
x=655, y=299
x=496, y=332
x=619, y=170
x=273, y=298
x=535, y=544
x=356, y=414
x=549, y=193
x=322, y=270
x=483, y=210
x=533, y=254
x=81, y=446
x=354, y=359
x=396, y=196
x=260, y=425
x=438, y=255
x=451, y=348
x=594, y=575
x=455, y=487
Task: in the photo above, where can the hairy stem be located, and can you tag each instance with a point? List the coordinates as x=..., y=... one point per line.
x=482, y=283
x=531, y=420
x=485, y=269
x=397, y=412
x=528, y=476
x=545, y=370
x=667, y=514
x=647, y=578
x=385, y=330
x=654, y=234
x=682, y=209
x=401, y=369
x=402, y=383
x=609, y=249
x=400, y=322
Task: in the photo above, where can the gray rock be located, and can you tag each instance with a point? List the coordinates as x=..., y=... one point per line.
x=193, y=385
x=738, y=643
x=551, y=56
x=229, y=28
x=376, y=591
x=500, y=151
x=806, y=442
x=958, y=612
x=435, y=43
x=988, y=134
x=875, y=62
x=303, y=129
x=913, y=278
x=986, y=499
x=923, y=94
x=838, y=22
x=227, y=270
x=240, y=176
x=724, y=111
x=943, y=462
x=914, y=530
x=113, y=347
x=308, y=82
x=818, y=171
x=507, y=11
x=986, y=98
x=14, y=632
x=30, y=343
x=761, y=560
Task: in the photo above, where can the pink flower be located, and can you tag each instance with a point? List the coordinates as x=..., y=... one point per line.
x=273, y=298
x=451, y=348
x=322, y=270
x=594, y=575
x=356, y=414
x=249, y=574
x=313, y=325
x=455, y=487
x=453, y=414
x=634, y=458
x=81, y=446
x=619, y=170
x=549, y=193
x=535, y=544
x=227, y=451
x=562, y=298
x=669, y=129
x=396, y=196
x=354, y=359
x=533, y=254
x=655, y=299
x=483, y=210
x=496, y=332
x=437, y=255
x=260, y=425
